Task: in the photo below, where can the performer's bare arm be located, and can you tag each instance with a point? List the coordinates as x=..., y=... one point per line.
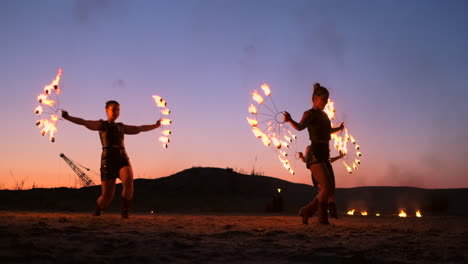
x=337, y=129
x=132, y=130
x=89, y=124
x=298, y=126
x=336, y=158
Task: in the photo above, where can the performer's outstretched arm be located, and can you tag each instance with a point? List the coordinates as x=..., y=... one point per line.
x=89, y=124
x=132, y=130
x=337, y=129
x=298, y=126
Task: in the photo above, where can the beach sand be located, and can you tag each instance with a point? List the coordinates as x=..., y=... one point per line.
x=39, y=237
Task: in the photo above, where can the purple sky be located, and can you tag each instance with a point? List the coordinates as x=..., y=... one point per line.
x=397, y=71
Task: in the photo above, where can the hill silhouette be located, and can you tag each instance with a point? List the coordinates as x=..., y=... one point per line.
x=216, y=190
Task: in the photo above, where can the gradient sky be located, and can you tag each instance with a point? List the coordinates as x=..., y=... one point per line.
x=397, y=71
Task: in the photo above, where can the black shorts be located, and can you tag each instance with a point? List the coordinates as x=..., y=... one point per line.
x=317, y=153
x=112, y=160
x=320, y=154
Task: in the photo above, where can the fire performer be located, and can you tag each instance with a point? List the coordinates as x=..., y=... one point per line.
x=318, y=157
x=114, y=160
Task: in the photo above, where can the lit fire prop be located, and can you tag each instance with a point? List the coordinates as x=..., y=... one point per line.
x=343, y=141
x=165, y=120
x=401, y=214
x=267, y=125
x=48, y=108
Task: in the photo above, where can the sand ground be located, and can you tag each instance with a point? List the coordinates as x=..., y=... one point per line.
x=38, y=237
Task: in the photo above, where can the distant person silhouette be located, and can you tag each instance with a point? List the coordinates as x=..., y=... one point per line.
x=114, y=160
x=317, y=157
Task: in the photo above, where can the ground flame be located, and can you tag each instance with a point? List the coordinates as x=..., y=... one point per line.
x=402, y=213
x=350, y=212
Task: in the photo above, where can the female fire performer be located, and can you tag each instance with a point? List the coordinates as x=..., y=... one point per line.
x=114, y=160
x=318, y=157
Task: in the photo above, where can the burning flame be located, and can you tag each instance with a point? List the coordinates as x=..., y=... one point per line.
x=166, y=132
x=42, y=98
x=418, y=213
x=347, y=167
x=265, y=140
x=54, y=117
x=266, y=89
x=159, y=101
x=252, y=122
x=257, y=132
x=48, y=127
x=165, y=121
x=351, y=212
x=258, y=98
x=377, y=214
x=165, y=111
x=364, y=213
x=330, y=109
x=402, y=213
x=38, y=110
x=252, y=109
x=54, y=84
x=276, y=142
x=164, y=139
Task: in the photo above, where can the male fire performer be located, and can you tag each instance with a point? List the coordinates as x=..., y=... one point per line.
x=114, y=160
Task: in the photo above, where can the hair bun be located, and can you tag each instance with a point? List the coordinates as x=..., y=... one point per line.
x=316, y=86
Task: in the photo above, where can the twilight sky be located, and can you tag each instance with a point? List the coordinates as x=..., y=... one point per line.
x=397, y=71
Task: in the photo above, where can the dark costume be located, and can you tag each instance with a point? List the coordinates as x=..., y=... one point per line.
x=319, y=127
x=113, y=156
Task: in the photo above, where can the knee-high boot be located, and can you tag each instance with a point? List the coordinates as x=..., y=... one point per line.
x=323, y=213
x=332, y=210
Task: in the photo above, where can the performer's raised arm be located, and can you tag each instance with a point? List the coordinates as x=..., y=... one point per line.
x=89, y=124
x=132, y=130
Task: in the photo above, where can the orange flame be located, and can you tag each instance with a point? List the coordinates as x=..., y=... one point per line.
x=165, y=145
x=49, y=127
x=418, y=213
x=166, y=132
x=330, y=109
x=292, y=135
x=165, y=111
x=266, y=89
x=54, y=84
x=38, y=110
x=54, y=117
x=353, y=140
x=252, y=109
x=288, y=138
x=257, y=132
x=252, y=122
x=165, y=121
x=350, y=212
x=265, y=140
x=347, y=167
x=164, y=139
x=357, y=161
x=354, y=166
x=377, y=214
x=159, y=101
x=402, y=213
x=276, y=142
x=42, y=98
x=364, y=213
x=258, y=98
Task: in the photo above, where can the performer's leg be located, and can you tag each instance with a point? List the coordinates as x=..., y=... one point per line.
x=108, y=191
x=320, y=172
x=126, y=176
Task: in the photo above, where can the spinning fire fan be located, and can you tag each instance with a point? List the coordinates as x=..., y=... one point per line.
x=48, y=108
x=165, y=120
